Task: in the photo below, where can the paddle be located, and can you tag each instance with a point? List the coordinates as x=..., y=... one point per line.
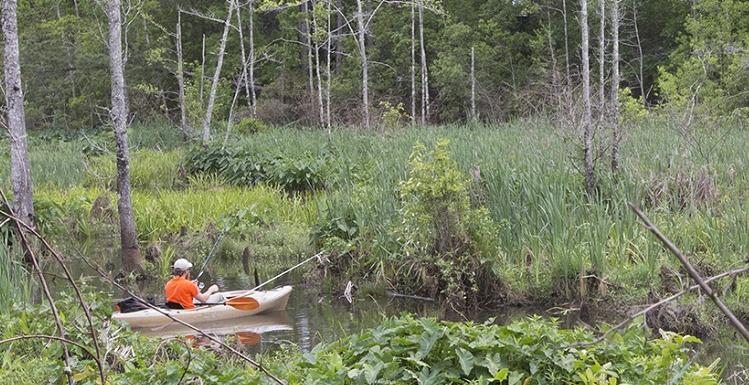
x=239, y=303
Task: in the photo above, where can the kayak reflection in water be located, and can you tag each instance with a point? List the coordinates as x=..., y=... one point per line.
x=182, y=293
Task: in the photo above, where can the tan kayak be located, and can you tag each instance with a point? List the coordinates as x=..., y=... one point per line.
x=258, y=323
x=269, y=301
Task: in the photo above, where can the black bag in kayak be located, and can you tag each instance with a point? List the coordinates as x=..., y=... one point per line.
x=131, y=304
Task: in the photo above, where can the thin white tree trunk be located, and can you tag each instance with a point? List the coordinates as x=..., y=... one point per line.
x=320, y=104
x=131, y=258
x=474, y=117
x=424, y=72
x=181, y=80
x=327, y=73
x=615, y=78
x=202, y=72
x=20, y=170
x=639, y=52
x=413, y=63
x=308, y=37
x=339, y=22
x=245, y=62
x=364, y=62
x=566, y=43
x=587, y=119
x=601, y=59
x=251, y=60
x=216, y=77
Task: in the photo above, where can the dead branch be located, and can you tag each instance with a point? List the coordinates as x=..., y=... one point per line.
x=68, y=275
x=56, y=338
x=692, y=272
x=664, y=301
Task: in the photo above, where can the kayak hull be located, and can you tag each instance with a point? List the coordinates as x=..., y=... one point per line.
x=269, y=301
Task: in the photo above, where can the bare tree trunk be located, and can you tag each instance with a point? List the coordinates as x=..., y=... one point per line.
x=615, y=78
x=20, y=171
x=474, y=117
x=601, y=60
x=181, y=81
x=424, y=73
x=320, y=103
x=364, y=63
x=216, y=77
x=245, y=63
x=131, y=258
x=639, y=51
x=413, y=63
x=587, y=118
x=600, y=124
x=202, y=71
x=327, y=73
x=251, y=60
x=338, y=28
x=308, y=37
x=566, y=42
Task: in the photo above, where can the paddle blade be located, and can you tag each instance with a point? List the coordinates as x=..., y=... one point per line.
x=243, y=303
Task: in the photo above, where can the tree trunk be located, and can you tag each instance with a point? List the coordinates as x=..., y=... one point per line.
x=131, y=258
x=424, y=73
x=364, y=62
x=413, y=63
x=320, y=104
x=20, y=171
x=251, y=60
x=566, y=43
x=615, y=78
x=216, y=77
x=601, y=60
x=327, y=73
x=181, y=81
x=474, y=117
x=587, y=119
x=338, y=28
x=245, y=62
x=202, y=71
x=308, y=38
x=639, y=52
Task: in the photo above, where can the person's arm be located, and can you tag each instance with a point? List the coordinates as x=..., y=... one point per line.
x=202, y=297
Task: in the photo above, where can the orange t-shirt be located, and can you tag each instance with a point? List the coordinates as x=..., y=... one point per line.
x=181, y=291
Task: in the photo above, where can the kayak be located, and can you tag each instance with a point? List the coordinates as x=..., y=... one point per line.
x=268, y=301
x=259, y=323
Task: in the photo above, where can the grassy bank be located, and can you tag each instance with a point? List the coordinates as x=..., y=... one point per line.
x=346, y=196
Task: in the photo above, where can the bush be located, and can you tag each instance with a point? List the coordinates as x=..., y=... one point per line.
x=243, y=167
x=440, y=232
x=248, y=126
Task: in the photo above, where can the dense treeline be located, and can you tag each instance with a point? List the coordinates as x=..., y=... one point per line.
x=527, y=58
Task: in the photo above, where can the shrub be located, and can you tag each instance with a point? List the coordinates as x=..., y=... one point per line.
x=440, y=230
x=248, y=126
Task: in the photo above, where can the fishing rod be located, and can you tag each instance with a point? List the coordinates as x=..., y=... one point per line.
x=210, y=255
x=316, y=256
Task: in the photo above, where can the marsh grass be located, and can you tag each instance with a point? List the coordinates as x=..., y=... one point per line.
x=15, y=281
x=524, y=173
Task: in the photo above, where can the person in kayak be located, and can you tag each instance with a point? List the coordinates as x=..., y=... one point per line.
x=181, y=292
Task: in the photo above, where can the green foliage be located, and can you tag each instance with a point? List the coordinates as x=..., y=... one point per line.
x=248, y=126
x=438, y=221
x=15, y=281
x=533, y=351
x=149, y=170
x=242, y=166
x=392, y=115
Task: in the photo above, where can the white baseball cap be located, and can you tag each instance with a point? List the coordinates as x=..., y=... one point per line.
x=182, y=264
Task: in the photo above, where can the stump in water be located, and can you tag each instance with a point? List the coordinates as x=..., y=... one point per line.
x=246, y=254
x=101, y=209
x=678, y=318
x=153, y=253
